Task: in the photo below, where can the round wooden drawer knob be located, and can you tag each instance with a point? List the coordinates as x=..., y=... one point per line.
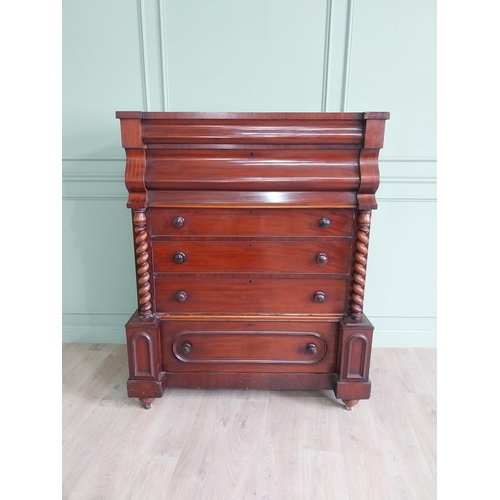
x=324, y=222
x=178, y=222
x=186, y=348
x=181, y=296
x=179, y=257
x=312, y=349
x=319, y=297
x=321, y=258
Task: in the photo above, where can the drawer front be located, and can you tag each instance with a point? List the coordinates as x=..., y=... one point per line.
x=178, y=294
x=264, y=222
x=254, y=129
x=252, y=256
x=256, y=170
x=248, y=346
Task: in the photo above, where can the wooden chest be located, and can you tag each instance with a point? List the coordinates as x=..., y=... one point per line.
x=251, y=236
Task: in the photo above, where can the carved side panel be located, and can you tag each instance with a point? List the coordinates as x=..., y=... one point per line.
x=356, y=357
x=369, y=179
x=360, y=261
x=142, y=355
x=143, y=341
x=142, y=264
x=355, y=344
x=135, y=166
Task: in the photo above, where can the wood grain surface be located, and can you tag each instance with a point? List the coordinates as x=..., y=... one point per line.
x=236, y=444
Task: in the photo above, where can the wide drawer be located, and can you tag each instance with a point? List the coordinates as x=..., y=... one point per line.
x=238, y=346
x=252, y=170
x=287, y=294
x=325, y=256
x=262, y=222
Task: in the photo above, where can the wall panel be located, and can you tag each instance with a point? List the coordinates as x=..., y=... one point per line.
x=392, y=65
x=102, y=72
x=246, y=55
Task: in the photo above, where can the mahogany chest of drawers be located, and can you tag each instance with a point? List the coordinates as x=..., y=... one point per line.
x=251, y=236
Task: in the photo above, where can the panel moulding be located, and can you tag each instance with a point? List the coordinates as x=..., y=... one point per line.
x=163, y=55
x=143, y=51
x=326, y=56
x=347, y=55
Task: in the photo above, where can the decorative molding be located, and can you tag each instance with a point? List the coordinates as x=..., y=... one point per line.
x=92, y=178
x=401, y=330
x=142, y=260
x=163, y=55
x=401, y=316
x=362, y=361
x=143, y=51
x=94, y=158
x=105, y=334
x=76, y=312
x=408, y=159
x=393, y=159
x=412, y=199
x=390, y=179
x=81, y=312
x=110, y=186
x=360, y=257
x=146, y=340
x=69, y=177
x=326, y=55
x=96, y=198
x=347, y=54
x=406, y=339
x=93, y=334
x=90, y=328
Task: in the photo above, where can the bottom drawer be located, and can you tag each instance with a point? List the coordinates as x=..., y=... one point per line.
x=255, y=346
x=255, y=294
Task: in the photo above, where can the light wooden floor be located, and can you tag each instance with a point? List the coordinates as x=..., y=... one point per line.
x=196, y=444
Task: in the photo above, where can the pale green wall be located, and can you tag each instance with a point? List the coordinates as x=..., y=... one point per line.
x=252, y=55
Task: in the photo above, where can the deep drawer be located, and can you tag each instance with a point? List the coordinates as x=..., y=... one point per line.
x=238, y=346
x=254, y=256
x=263, y=222
x=178, y=294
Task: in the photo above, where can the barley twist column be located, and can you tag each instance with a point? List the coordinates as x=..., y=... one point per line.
x=141, y=249
x=360, y=260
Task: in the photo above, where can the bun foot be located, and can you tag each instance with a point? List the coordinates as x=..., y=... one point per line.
x=350, y=403
x=147, y=403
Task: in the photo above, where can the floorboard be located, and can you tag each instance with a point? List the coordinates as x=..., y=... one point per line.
x=273, y=445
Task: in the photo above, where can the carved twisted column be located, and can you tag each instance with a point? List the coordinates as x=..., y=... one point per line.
x=360, y=258
x=141, y=249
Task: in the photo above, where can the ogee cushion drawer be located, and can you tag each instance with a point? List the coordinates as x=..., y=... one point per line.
x=251, y=222
x=241, y=346
x=179, y=294
x=254, y=170
x=252, y=256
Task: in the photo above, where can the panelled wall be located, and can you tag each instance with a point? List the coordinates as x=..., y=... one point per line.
x=248, y=55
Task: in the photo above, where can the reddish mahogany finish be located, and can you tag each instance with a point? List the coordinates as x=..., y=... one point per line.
x=253, y=256
x=257, y=222
x=249, y=346
x=251, y=236
x=251, y=294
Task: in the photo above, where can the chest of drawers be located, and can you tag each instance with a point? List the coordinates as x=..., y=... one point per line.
x=251, y=235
